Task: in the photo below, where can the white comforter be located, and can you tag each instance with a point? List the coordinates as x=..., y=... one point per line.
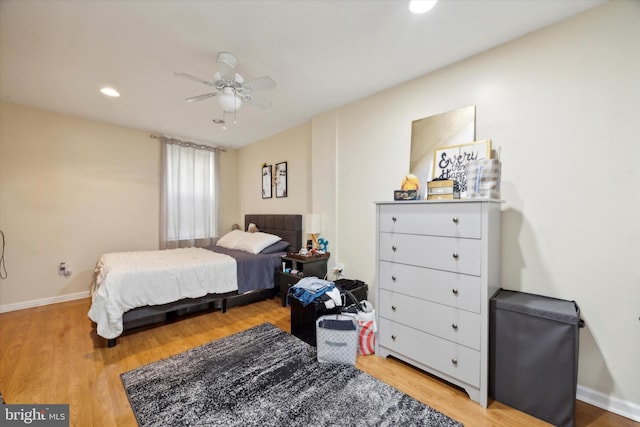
x=126, y=280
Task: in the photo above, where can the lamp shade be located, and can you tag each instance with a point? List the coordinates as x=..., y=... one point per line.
x=312, y=223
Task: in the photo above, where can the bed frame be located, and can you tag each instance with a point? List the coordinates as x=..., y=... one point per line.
x=289, y=227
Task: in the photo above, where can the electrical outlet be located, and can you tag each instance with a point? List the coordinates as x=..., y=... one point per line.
x=64, y=269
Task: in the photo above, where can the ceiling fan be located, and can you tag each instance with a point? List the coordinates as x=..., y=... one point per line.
x=231, y=88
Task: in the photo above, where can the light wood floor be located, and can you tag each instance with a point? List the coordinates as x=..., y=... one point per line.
x=51, y=354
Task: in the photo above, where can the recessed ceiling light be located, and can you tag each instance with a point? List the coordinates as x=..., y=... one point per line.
x=421, y=6
x=109, y=91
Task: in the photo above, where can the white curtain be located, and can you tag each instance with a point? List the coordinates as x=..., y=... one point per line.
x=189, y=200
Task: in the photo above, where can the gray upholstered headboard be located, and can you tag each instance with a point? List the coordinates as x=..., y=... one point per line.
x=289, y=227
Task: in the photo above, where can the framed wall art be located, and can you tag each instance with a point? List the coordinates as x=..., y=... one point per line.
x=451, y=162
x=281, y=179
x=266, y=181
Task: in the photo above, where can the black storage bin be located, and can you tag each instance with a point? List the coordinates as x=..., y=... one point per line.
x=358, y=288
x=533, y=354
x=303, y=319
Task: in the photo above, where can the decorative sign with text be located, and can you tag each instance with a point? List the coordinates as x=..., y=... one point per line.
x=451, y=162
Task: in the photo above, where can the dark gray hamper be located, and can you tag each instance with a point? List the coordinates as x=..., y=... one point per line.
x=533, y=354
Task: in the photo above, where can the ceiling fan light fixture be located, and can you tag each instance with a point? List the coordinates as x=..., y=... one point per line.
x=232, y=90
x=421, y=6
x=229, y=101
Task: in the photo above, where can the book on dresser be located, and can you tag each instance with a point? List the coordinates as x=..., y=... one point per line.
x=440, y=196
x=440, y=183
x=437, y=266
x=442, y=189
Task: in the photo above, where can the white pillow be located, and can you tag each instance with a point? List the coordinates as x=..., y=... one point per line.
x=231, y=239
x=256, y=242
x=248, y=242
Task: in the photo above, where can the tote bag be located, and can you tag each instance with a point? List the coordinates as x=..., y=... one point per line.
x=365, y=317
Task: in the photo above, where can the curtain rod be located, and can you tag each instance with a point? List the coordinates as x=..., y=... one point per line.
x=187, y=143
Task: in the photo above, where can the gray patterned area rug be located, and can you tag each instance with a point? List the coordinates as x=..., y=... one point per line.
x=265, y=377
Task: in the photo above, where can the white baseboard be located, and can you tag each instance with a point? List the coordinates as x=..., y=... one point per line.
x=612, y=404
x=43, y=301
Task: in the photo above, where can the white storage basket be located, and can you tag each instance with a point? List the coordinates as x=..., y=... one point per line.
x=337, y=339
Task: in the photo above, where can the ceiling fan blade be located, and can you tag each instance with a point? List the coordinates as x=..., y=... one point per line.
x=256, y=100
x=201, y=97
x=194, y=78
x=261, y=83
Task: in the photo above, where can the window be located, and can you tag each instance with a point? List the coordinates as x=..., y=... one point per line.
x=189, y=195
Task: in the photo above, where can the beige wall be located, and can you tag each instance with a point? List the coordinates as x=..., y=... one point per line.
x=323, y=179
x=229, y=190
x=292, y=146
x=562, y=103
x=70, y=190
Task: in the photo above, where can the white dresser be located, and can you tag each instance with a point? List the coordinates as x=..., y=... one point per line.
x=438, y=264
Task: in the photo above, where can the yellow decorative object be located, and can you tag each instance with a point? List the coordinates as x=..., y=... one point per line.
x=411, y=182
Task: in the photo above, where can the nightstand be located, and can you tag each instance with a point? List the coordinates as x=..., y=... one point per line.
x=306, y=265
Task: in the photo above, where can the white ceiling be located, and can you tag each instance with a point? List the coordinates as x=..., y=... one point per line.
x=56, y=54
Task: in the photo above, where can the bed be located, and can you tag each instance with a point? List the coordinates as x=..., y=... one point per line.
x=135, y=289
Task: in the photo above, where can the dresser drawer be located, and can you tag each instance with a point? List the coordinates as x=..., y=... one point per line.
x=438, y=219
x=452, y=289
x=459, y=326
x=442, y=253
x=445, y=356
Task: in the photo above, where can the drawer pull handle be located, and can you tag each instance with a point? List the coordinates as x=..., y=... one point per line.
x=394, y=278
x=393, y=337
x=394, y=219
x=393, y=248
x=393, y=307
x=455, y=255
x=454, y=361
x=455, y=291
x=455, y=219
x=454, y=326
